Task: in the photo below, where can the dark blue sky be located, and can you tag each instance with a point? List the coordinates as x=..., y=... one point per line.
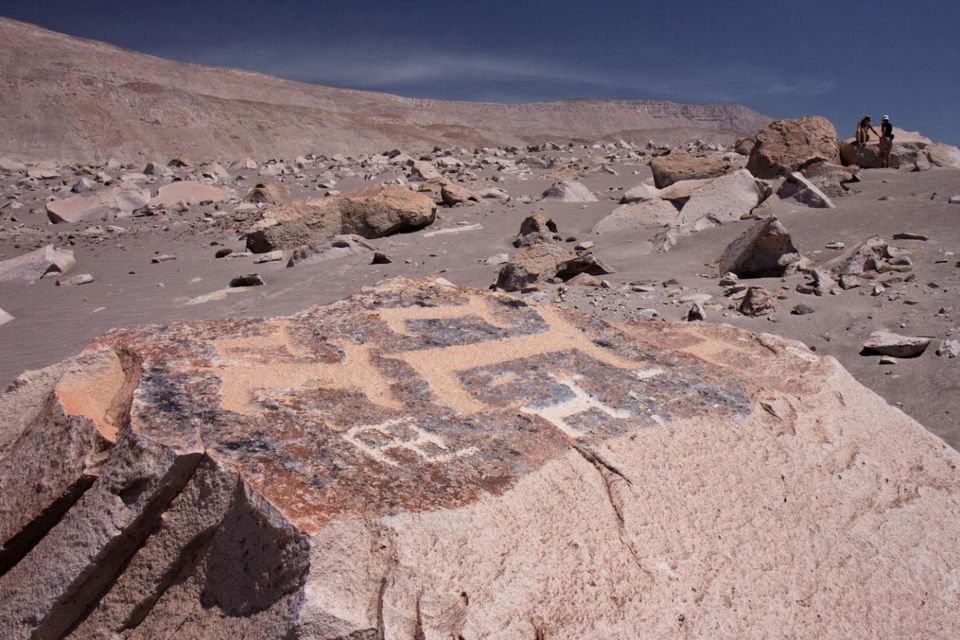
x=839, y=58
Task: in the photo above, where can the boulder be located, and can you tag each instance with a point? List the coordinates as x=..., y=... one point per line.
x=295, y=224
x=797, y=188
x=757, y=302
x=267, y=193
x=452, y=194
x=679, y=165
x=911, y=152
x=384, y=210
x=423, y=461
x=640, y=215
x=724, y=199
x=569, y=191
x=788, y=145
x=188, y=192
x=46, y=261
x=122, y=200
x=640, y=193
x=341, y=246
x=424, y=170
x=764, y=250
x=537, y=228
x=886, y=343
x=546, y=262
x=867, y=255
x=744, y=146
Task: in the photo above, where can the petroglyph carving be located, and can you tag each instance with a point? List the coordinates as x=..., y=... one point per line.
x=377, y=439
x=246, y=367
x=440, y=367
x=397, y=318
x=557, y=414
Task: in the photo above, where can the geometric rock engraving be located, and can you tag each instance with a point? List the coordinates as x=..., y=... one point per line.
x=556, y=414
x=376, y=439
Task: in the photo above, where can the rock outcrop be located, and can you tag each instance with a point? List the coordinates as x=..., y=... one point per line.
x=422, y=461
x=787, y=145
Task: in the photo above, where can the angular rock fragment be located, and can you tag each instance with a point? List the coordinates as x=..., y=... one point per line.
x=891, y=344
x=764, y=250
x=543, y=262
x=383, y=211
x=569, y=191
x=46, y=261
x=393, y=464
x=758, y=302
x=5, y=317
x=947, y=348
x=537, y=228
x=798, y=188
x=99, y=205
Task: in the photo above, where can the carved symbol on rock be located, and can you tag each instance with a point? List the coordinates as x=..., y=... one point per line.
x=376, y=440
x=557, y=414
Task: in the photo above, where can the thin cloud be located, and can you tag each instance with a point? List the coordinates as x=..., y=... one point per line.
x=403, y=68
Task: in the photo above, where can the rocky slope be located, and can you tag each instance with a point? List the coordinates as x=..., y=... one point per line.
x=72, y=99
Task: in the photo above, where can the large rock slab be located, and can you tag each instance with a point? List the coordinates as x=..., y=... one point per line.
x=422, y=461
x=787, y=145
x=98, y=206
x=764, y=250
x=46, y=261
x=724, y=199
x=639, y=215
x=679, y=165
x=189, y=192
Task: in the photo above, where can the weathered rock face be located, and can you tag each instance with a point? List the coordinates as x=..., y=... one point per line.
x=788, y=145
x=46, y=261
x=680, y=165
x=422, y=461
x=764, y=250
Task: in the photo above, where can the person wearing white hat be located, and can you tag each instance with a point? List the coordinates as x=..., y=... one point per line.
x=886, y=141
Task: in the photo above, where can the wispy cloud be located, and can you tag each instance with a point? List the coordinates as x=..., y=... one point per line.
x=404, y=68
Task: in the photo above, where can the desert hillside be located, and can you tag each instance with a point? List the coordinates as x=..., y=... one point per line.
x=67, y=98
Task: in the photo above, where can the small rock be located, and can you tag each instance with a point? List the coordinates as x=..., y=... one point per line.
x=888, y=360
x=757, y=302
x=696, y=313
x=949, y=349
x=910, y=236
x=80, y=278
x=380, y=258
x=270, y=256
x=223, y=253
x=5, y=317
x=835, y=245
x=162, y=258
x=248, y=280
x=802, y=309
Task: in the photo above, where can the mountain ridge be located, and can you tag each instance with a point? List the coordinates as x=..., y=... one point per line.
x=75, y=99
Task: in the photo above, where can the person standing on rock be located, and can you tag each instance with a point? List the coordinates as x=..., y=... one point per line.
x=886, y=141
x=863, y=134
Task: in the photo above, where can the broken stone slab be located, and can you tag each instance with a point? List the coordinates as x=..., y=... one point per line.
x=724, y=199
x=189, y=192
x=392, y=464
x=680, y=165
x=569, y=191
x=653, y=212
x=866, y=255
x=799, y=189
x=892, y=344
x=764, y=250
x=99, y=205
x=452, y=194
x=44, y=262
x=494, y=193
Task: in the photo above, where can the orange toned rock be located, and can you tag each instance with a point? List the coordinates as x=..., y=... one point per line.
x=679, y=165
x=789, y=145
x=424, y=461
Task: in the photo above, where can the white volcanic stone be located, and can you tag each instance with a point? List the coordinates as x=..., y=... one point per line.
x=423, y=461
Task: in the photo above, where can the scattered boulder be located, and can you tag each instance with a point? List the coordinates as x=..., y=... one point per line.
x=385, y=210
x=696, y=313
x=891, y=344
x=223, y=253
x=757, y=302
x=44, y=262
x=248, y=280
x=744, y=146
x=341, y=246
x=786, y=146
x=911, y=152
x=537, y=228
x=764, y=250
x=267, y=193
x=947, y=348
x=545, y=262
x=494, y=193
x=679, y=165
x=424, y=170
x=798, y=188
x=188, y=192
x=569, y=191
x=98, y=205
x=724, y=199
x=452, y=194
x=270, y=256
x=802, y=309
x=648, y=213
x=12, y=166
x=865, y=256
x=821, y=283
x=318, y=476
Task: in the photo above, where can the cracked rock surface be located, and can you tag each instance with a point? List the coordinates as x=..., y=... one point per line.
x=426, y=461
